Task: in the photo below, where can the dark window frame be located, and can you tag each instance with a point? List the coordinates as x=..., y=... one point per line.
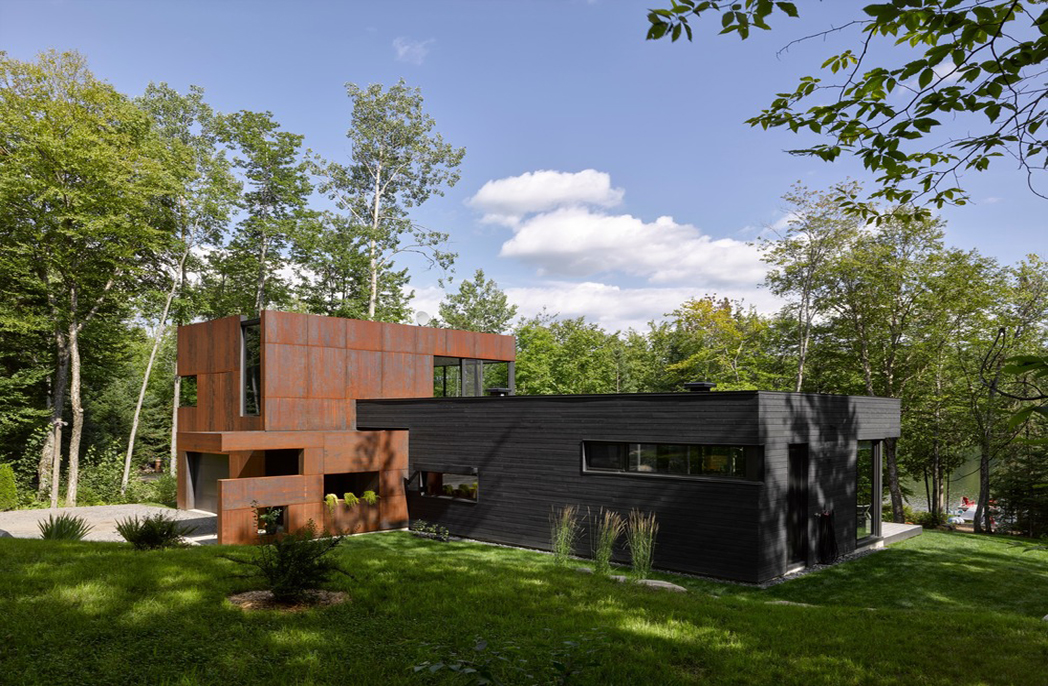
x=245, y=324
x=751, y=452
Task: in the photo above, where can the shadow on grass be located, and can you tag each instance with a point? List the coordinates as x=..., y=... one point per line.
x=101, y=613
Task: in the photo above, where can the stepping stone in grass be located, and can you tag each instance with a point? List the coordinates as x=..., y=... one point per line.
x=663, y=585
x=788, y=602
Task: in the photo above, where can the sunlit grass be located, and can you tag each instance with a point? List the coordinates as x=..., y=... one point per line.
x=938, y=609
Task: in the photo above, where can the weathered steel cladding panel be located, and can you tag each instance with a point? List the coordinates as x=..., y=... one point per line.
x=527, y=451
x=209, y=347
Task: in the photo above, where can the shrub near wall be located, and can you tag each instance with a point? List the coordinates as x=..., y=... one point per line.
x=8, y=491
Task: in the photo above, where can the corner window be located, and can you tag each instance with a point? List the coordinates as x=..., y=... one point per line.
x=251, y=365
x=864, y=500
x=187, y=391
x=449, y=485
x=672, y=459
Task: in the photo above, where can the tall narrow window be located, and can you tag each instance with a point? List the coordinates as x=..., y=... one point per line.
x=187, y=391
x=251, y=334
x=864, y=495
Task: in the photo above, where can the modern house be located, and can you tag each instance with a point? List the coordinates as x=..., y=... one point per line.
x=292, y=407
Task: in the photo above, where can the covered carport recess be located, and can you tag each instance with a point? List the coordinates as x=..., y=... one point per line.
x=205, y=469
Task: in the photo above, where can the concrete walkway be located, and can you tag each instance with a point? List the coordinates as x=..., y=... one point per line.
x=103, y=519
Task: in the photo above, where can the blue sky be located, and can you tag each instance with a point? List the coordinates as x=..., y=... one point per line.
x=604, y=176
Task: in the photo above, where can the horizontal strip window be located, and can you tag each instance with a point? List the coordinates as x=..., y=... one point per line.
x=672, y=459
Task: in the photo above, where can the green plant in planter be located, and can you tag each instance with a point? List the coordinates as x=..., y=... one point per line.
x=350, y=500
x=449, y=490
x=369, y=497
x=331, y=500
x=268, y=518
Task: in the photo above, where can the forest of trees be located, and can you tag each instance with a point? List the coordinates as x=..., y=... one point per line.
x=123, y=217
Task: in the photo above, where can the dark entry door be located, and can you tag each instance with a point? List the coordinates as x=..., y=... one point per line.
x=797, y=505
x=205, y=469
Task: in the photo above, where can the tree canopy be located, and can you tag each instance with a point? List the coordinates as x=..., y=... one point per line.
x=974, y=65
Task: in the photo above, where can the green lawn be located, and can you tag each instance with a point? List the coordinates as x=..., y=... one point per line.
x=945, y=609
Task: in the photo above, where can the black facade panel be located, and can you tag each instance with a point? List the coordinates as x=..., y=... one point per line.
x=527, y=451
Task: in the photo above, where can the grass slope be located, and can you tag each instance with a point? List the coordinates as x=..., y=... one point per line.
x=939, y=609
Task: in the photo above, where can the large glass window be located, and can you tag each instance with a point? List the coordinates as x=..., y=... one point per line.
x=864, y=501
x=455, y=376
x=252, y=366
x=671, y=459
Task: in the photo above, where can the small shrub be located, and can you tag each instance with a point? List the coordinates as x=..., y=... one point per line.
x=64, y=527
x=908, y=513
x=928, y=519
x=350, y=500
x=153, y=532
x=295, y=564
x=564, y=532
x=610, y=527
x=331, y=501
x=640, y=537
x=8, y=489
x=424, y=529
x=369, y=497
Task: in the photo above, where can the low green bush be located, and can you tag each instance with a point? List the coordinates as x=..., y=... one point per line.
x=424, y=529
x=164, y=490
x=369, y=497
x=8, y=488
x=294, y=564
x=928, y=519
x=153, y=532
x=350, y=500
x=64, y=527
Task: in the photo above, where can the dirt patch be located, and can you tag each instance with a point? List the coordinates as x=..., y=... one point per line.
x=263, y=600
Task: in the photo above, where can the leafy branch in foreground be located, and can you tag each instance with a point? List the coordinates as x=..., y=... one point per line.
x=977, y=65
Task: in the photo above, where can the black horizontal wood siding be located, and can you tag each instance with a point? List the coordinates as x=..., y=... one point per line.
x=528, y=454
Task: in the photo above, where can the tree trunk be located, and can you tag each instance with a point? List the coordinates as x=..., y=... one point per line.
x=982, y=508
x=78, y=414
x=172, y=466
x=804, y=338
x=373, y=263
x=260, y=290
x=161, y=326
x=55, y=440
x=890, y=445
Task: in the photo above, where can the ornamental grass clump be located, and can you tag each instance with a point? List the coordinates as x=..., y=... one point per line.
x=154, y=532
x=640, y=537
x=350, y=500
x=610, y=526
x=64, y=527
x=564, y=532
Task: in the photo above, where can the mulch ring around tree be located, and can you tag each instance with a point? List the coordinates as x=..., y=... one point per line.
x=263, y=600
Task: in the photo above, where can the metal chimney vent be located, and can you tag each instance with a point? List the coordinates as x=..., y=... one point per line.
x=699, y=386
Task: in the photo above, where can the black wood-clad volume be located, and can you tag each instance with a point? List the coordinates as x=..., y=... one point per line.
x=527, y=454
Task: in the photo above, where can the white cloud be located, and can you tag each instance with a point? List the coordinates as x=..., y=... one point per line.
x=578, y=242
x=411, y=51
x=616, y=308
x=506, y=201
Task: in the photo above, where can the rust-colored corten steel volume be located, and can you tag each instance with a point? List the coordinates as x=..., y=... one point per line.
x=313, y=369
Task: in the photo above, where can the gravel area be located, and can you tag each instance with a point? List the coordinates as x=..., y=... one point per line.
x=103, y=519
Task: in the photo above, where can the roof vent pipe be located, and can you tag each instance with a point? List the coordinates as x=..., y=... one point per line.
x=699, y=386
x=499, y=392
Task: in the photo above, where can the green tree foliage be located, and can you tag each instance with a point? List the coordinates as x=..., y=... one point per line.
x=81, y=184
x=333, y=268
x=245, y=276
x=479, y=305
x=799, y=259
x=8, y=489
x=974, y=65
x=397, y=163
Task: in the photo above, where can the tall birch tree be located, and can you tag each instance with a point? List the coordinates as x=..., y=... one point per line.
x=397, y=163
